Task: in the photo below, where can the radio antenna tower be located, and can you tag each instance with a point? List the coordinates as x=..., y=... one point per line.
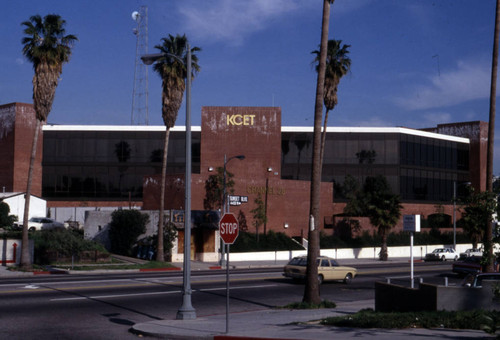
x=140, y=114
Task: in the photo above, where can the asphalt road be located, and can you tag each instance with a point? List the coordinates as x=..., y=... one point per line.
x=106, y=306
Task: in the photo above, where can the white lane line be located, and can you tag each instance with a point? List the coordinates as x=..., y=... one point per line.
x=114, y=296
x=155, y=293
x=233, y=288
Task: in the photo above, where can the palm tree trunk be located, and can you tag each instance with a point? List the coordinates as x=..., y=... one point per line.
x=383, y=256
x=311, y=290
x=25, y=247
x=323, y=138
x=491, y=138
x=159, y=251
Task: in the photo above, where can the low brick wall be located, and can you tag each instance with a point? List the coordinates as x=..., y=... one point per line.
x=429, y=297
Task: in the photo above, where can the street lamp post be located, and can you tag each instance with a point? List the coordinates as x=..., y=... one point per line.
x=186, y=311
x=225, y=203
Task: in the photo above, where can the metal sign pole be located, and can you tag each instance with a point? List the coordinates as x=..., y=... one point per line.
x=411, y=259
x=227, y=289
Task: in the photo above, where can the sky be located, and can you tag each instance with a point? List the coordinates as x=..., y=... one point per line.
x=415, y=63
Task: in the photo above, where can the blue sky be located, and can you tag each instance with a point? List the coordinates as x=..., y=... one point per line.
x=415, y=63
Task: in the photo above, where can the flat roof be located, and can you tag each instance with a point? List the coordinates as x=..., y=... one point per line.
x=151, y=128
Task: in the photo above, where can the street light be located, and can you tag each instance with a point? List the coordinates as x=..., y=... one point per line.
x=224, y=198
x=186, y=311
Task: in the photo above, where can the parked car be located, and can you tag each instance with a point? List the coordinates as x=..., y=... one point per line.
x=469, y=265
x=442, y=254
x=43, y=223
x=471, y=252
x=328, y=269
x=476, y=281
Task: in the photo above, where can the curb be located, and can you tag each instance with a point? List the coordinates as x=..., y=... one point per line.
x=159, y=269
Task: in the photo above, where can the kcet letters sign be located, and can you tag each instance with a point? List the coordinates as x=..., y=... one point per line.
x=240, y=119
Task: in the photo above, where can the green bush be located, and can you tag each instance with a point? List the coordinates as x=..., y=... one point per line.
x=442, y=319
x=65, y=242
x=367, y=239
x=271, y=241
x=125, y=227
x=6, y=220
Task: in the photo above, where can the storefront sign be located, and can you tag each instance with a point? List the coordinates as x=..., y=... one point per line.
x=240, y=119
x=252, y=189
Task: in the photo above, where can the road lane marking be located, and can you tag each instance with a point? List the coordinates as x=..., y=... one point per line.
x=232, y=288
x=96, y=297
x=114, y=296
x=31, y=287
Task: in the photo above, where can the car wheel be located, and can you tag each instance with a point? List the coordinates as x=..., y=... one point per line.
x=456, y=258
x=443, y=258
x=32, y=229
x=348, y=278
x=320, y=279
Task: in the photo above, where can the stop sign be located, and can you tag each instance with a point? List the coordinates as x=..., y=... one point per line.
x=229, y=228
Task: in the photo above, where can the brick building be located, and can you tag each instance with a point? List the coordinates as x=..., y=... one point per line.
x=113, y=166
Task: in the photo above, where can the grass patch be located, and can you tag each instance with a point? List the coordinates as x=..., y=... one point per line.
x=33, y=268
x=305, y=305
x=368, y=318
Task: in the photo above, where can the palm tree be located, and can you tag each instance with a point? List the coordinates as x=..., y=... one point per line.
x=491, y=138
x=173, y=73
x=47, y=47
x=338, y=65
x=377, y=202
x=311, y=290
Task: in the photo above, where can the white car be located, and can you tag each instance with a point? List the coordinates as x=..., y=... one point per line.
x=471, y=252
x=43, y=223
x=442, y=254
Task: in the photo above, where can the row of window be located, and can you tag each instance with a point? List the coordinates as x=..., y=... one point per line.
x=112, y=164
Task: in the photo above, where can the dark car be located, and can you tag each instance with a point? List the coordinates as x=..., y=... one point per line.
x=476, y=281
x=469, y=265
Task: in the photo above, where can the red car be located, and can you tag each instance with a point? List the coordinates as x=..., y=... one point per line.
x=470, y=265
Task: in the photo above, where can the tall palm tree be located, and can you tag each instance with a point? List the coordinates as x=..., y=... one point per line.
x=338, y=65
x=311, y=290
x=173, y=73
x=47, y=47
x=491, y=137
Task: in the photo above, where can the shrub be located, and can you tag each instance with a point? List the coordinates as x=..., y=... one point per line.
x=125, y=227
x=63, y=242
x=270, y=241
x=6, y=220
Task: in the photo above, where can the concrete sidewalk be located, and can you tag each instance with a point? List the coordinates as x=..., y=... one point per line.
x=288, y=324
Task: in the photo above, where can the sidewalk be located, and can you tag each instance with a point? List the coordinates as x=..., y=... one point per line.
x=288, y=324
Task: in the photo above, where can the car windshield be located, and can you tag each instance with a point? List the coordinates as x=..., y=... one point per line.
x=298, y=261
x=438, y=250
x=481, y=278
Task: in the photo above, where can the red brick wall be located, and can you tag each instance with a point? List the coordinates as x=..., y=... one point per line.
x=254, y=132
x=17, y=130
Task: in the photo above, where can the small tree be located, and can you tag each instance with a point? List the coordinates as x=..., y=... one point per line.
x=477, y=213
x=125, y=227
x=6, y=220
x=214, y=189
x=259, y=215
x=169, y=236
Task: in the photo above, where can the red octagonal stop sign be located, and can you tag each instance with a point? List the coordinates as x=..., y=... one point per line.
x=229, y=228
